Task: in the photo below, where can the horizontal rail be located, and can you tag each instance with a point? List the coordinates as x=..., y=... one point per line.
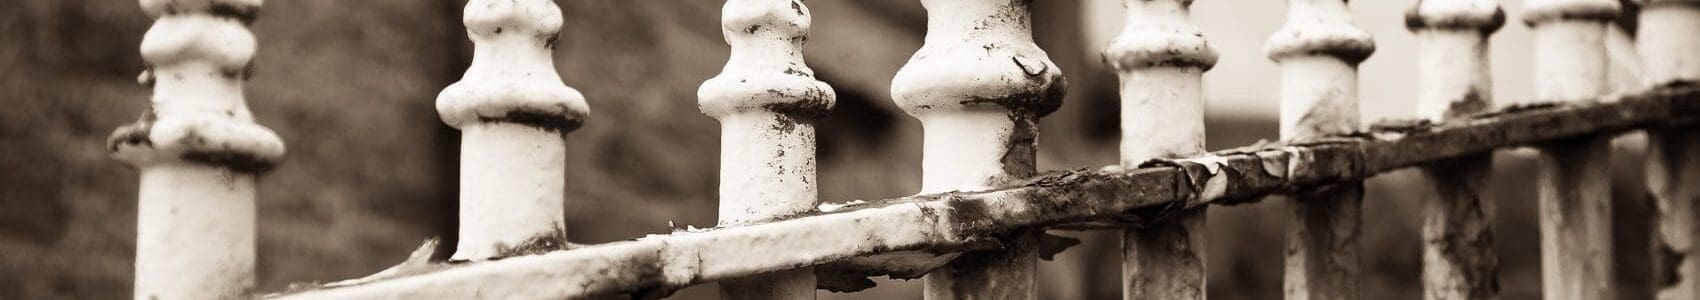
x=942, y=222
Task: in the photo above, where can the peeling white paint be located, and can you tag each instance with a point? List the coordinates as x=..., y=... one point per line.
x=1161, y=57
x=513, y=111
x=198, y=150
x=1319, y=49
x=979, y=84
x=767, y=101
x=1667, y=42
x=1453, y=82
x=1573, y=185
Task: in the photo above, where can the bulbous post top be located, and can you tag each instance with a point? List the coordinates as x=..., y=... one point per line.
x=978, y=55
x=198, y=53
x=1481, y=15
x=1320, y=27
x=1536, y=12
x=766, y=71
x=512, y=78
x=1159, y=34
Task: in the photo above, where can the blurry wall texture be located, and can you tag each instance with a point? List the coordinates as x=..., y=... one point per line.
x=371, y=171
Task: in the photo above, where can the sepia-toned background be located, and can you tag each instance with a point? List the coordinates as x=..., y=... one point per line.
x=349, y=85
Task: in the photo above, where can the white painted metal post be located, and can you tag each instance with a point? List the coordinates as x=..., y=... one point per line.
x=198, y=150
x=1668, y=39
x=1452, y=82
x=1161, y=57
x=1574, y=182
x=767, y=101
x=979, y=85
x=1319, y=50
x=513, y=112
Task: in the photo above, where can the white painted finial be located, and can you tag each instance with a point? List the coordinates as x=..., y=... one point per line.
x=767, y=101
x=1318, y=48
x=1452, y=67
x=513, y=111
x=978, y=83
x=198, y=150
x=1161, y=56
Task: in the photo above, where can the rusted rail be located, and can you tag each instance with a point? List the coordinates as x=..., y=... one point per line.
x=951, y=221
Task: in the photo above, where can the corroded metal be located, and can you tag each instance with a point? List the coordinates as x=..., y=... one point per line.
x=1669, y=33
x=1319, y=50
x=198, y=150
x=979, y=85
x=767, y=101
x=513, y=112
x=1161, y=58
x=966, y=219
x=1574, y=184
x=1459, y=261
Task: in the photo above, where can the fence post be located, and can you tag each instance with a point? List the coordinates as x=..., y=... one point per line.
x=767, y=101
x=1669, y=34
x=1319, y=50
x=979, y=85
x=1161, y=57
x=1574, y=183
x=513, y=112
x=1453, y=82
x=198, y=151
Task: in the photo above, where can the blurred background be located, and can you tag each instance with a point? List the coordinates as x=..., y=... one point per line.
x=349, y=85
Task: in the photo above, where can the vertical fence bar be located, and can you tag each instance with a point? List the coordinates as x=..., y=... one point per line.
x=767, y=101
x=513, y=113
x=979, y=85
x=1453, y=82
x=1319, y=50
x=198, y=151
x=1161, y=58
x=1574, y=183
x=1669, y=34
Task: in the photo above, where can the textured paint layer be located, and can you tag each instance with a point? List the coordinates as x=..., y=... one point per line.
x=513, y=111
x=1319, y=50
x=1161, y=57
x=1669, y=34
x=767, y=101
x=1574, y=185
x=198, y=150
x=1452, y=82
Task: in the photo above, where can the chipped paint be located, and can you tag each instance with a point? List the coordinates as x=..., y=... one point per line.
x=513, y=111
x=1453, y=82
x=767, y=101
x=978, y=85
x=925, y=223
x=1319, y=49
x=1574, y=181
x=1666, y=42
x=198, y=151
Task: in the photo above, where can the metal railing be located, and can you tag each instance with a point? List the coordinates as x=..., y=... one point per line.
x=978, y=85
